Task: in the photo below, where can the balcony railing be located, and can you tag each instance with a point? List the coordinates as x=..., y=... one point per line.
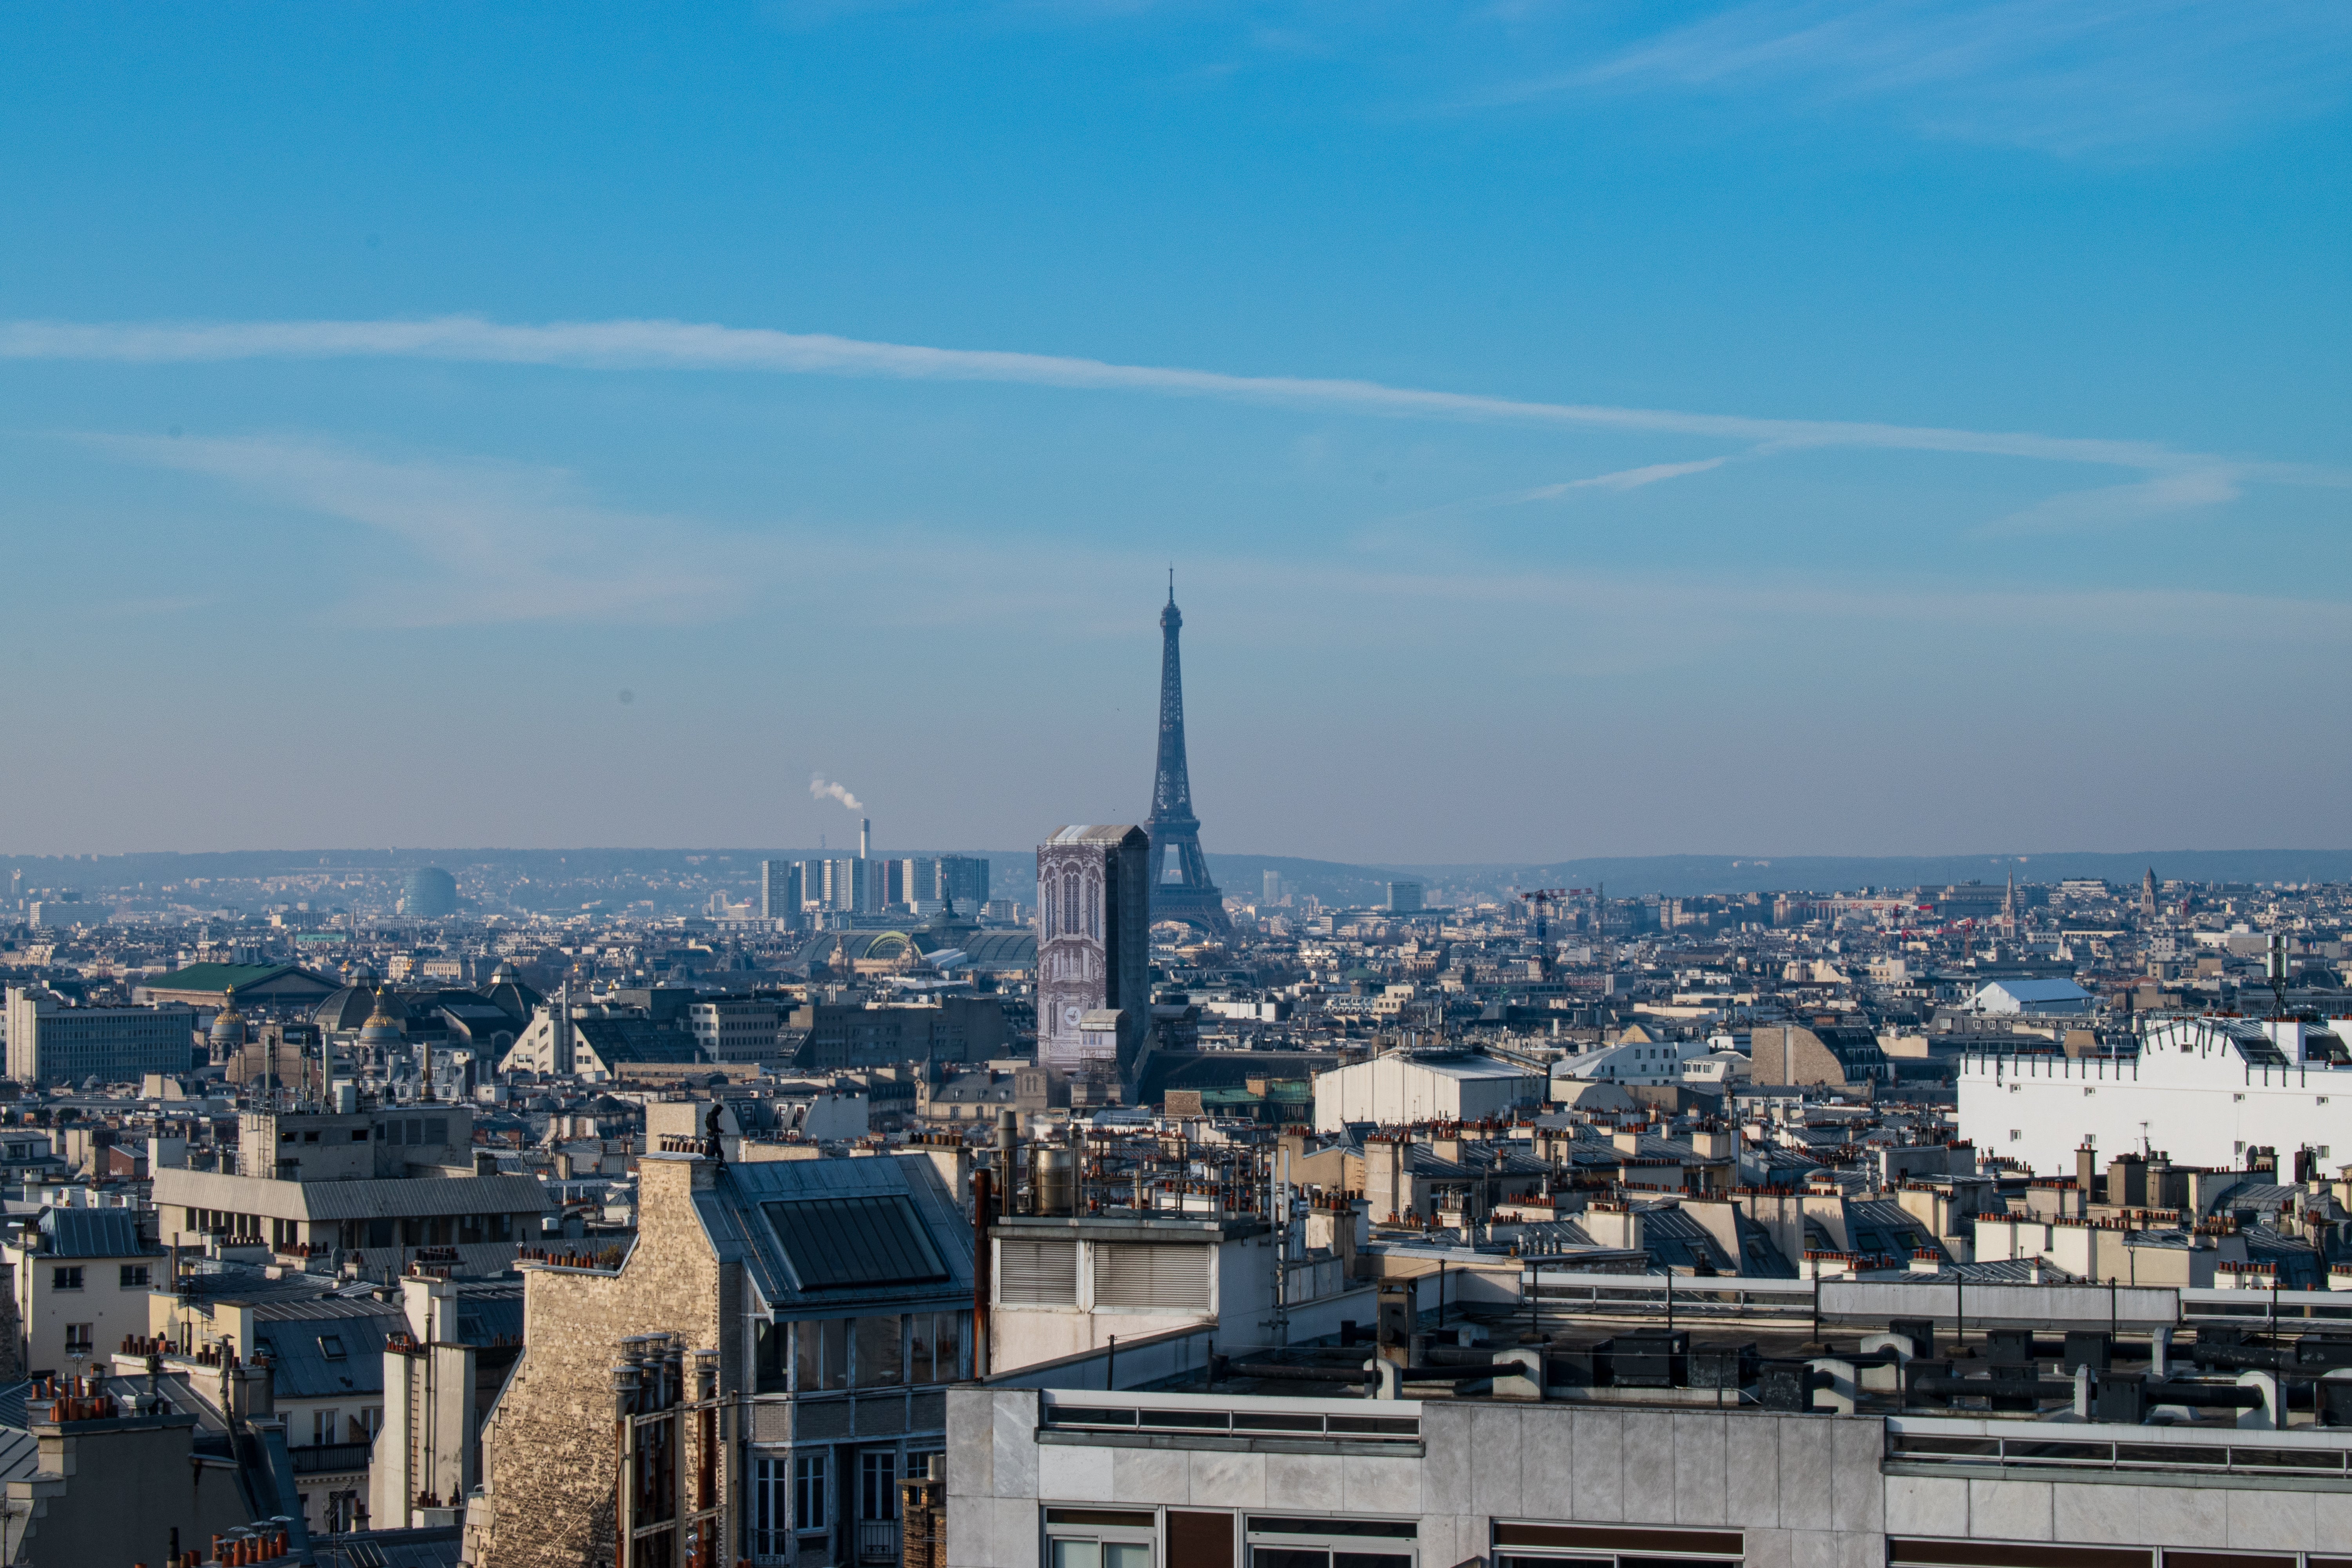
x=323, y=1458
x=878, y=1541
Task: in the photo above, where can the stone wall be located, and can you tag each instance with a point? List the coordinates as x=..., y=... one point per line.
x=549, y=1451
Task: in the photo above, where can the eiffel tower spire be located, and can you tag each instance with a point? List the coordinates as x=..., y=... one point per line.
x=1180, y=888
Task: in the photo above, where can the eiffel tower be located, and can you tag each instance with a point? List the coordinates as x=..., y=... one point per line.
x=1181, y=891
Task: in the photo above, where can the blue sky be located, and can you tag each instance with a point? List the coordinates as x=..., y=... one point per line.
x=1578, y=430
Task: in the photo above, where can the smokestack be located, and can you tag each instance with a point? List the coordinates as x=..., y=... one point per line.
x=1008, y=1149
x=865, y=838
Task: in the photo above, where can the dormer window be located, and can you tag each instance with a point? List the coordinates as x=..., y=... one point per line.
x=331, y=1346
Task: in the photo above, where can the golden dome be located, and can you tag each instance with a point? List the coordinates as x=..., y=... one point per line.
x=383, y=1022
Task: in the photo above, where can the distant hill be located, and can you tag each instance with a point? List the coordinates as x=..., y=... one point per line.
x=1333, y=881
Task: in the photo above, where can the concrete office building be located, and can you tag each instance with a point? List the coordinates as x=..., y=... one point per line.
x=736, y=1028
x=372, y=1187
x=1092, y=947
x=947, y=1028
x=1656, y=1447
x=846, y=885
x=51, y=1041
x=783, y=886
x=1404, y=898
x=963, y=883
x=72, y=914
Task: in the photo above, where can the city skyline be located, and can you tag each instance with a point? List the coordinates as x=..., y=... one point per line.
x=1581, y=436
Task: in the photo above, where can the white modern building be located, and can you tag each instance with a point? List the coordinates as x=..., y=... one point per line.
x=1399, y=1089
x=2056, y=998
x=2202, y=1090
x=1643, y=1061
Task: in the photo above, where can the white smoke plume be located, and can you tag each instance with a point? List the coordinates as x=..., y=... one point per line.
x=820, y=790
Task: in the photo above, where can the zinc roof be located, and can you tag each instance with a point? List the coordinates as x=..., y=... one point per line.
x=93, y=1233
x=388, y=1197
x=341, y=1352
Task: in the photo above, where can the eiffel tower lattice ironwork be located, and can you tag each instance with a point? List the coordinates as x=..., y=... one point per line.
x=1180, y=888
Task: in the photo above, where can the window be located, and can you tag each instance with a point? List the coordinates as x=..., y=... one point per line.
x=881, y=1360
x=324, y=1426
x=331, y=1346
x=822, y=1346
x=771, y=1373
x=878, y=1484
x=1282, y=1542
x=808, y=1512
x=1098, y=1538
x=79, y=1337
x=134, y=1277
x=1614, y=1546
x=366, y=1422
x=64, y=1279
x=935, y=1344
x=772, y=1535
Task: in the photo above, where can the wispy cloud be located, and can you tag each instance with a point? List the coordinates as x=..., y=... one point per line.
x=1623, y=478
x=2066, y=75
x=493, y=542
x=1404, y=527
x=681, y=345
x=2114, y=506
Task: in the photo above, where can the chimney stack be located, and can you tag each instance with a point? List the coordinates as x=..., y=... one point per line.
x=865, y=838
